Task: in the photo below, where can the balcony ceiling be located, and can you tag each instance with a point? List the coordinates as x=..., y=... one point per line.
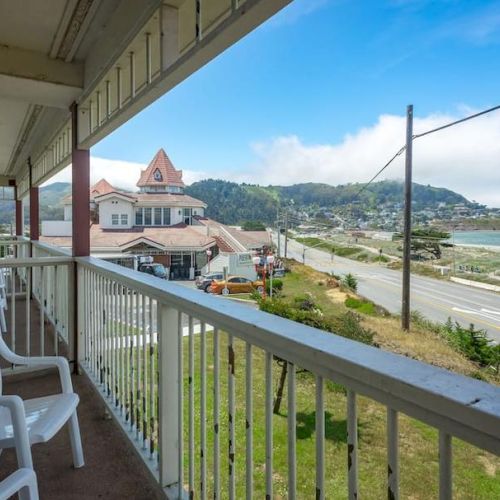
x=54, y=53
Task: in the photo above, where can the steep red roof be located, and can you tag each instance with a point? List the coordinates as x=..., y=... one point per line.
x=168, y=175
x=99, y=188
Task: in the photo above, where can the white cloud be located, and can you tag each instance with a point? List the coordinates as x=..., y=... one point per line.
x=465, y=158
x=119, y=173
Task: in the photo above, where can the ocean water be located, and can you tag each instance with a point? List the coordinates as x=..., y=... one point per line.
x=486, y=238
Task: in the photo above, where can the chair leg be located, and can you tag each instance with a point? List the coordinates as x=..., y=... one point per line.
x=30, y=491
x=76, y=441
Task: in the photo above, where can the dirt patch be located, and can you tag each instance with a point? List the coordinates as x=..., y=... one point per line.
x=336, y=295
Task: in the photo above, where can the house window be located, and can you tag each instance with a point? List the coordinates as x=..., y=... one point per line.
x=147, y=216
x=157, y=175
x=124, y=219
x=166, y=216
x=138, y=217
x=157, y=212
x=115, y=219
x=187, y=216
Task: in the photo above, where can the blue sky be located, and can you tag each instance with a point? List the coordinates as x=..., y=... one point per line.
x=324, y=76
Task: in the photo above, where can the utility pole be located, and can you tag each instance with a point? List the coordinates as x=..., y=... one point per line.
x=286, y=233
x=279, y=240
x=405, y=315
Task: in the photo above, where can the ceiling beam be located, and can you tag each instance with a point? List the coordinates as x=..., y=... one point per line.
x=36, y=78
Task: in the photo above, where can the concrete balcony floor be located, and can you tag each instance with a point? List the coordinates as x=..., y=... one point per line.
x=112, y=469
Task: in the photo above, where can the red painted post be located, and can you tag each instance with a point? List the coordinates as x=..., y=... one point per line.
x=34, y=215
x=80, y=190
x=19, y=218
x=80, y=160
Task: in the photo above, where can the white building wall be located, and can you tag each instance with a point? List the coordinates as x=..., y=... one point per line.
x=68, y=213
x=56, y=228
x=115, y=206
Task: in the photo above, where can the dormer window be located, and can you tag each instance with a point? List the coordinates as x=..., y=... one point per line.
x=157, y=176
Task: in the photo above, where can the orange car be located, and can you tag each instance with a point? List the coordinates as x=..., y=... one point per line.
x=235, y=284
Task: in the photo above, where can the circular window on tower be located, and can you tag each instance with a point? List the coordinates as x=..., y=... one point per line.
x=157, y=176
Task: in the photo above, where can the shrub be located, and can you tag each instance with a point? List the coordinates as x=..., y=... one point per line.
x=349, y=326
x=362, y=306
x=473, y=343
x=350, y=282
x=277, y=285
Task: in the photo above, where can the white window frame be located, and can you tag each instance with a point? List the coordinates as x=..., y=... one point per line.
x=122, y=218
x=115, y=219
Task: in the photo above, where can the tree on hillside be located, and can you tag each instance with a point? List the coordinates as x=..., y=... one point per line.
x=253, y=225
x=426, y=242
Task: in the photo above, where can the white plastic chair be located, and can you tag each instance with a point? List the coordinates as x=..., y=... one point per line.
x=45, y=415
x=22, y=480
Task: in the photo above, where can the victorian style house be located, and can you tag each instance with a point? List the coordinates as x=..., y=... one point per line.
x=159, y=220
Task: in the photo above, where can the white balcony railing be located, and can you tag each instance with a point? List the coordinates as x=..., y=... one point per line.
x=168, y=361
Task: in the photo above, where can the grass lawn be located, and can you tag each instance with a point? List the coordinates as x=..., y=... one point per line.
x=476, y=473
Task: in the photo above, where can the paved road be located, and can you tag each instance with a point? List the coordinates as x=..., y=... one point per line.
x=435, y=299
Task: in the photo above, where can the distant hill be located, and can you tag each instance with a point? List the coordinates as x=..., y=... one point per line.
x=233, y=203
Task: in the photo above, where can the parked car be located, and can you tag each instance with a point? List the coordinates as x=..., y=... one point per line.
x=278, y=273
x=155, y=269
x=235, y=284
x=203, y=282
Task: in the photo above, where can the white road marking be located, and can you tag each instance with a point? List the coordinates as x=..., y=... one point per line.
x=489, y=311
x=466, y=311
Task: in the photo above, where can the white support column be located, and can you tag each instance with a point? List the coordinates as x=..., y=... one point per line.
x=169, y=386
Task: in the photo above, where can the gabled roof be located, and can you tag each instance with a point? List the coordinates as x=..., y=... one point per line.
x=168, y=175
x=101, y=187
x=98, y=189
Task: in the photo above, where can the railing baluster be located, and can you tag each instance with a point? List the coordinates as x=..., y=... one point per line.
x=127, y=316
x=152, y=419
x=320, y=439
x=13, y=309
x=445, y=466
x=203, y=411
x=28, y=310
x=133, y=330
x=138, y=367
x=121, y=344
x=269, y=425
x=216, y=415
x=191, y=408
x=180, y=395
x=145, y=302
x=392, y=455
x=56, y=312
x=42, y=313
x=231, y=366
x=249, y=421
x=292, y=426
x=352, y=445
x=112, y=340
x=100, y=332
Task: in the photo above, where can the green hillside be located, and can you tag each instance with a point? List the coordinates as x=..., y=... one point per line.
x=234, y=203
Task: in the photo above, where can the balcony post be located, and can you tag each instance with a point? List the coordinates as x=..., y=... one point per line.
x=80, y=189
x=168, y=391
x=34, y=214
x=19, y=217
x=80, y=166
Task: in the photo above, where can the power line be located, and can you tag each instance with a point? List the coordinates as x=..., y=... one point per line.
x=380, y=171
x=416, y=136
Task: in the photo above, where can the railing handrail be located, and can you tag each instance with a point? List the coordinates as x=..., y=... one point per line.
x=35, y=262
x=51, y=248
x=464, y=407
